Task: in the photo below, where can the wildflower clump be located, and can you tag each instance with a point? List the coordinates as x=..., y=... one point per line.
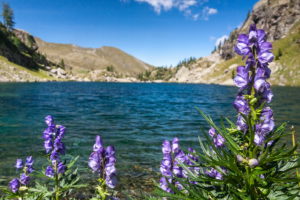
x=247, y=159
x=102, y=162
x=19, y=186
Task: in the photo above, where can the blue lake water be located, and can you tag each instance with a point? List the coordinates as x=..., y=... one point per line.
x=135, y=118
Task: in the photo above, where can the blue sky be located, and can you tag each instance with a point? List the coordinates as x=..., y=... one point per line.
x=159, y=32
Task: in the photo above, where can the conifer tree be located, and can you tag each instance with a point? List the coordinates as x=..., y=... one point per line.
x=8, y=16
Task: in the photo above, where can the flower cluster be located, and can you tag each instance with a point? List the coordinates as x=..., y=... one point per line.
x=170, y=167
x=219, y=142
x=254, y=92
x=217, y=138
x=24, y=179
x=54, y=147
x=102, y=161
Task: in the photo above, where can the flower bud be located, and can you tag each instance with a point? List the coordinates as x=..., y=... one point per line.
x=253, y=162
x=240, y=158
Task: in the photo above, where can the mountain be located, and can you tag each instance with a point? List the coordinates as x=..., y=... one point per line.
x=80, y=61
x=281, y=20
x=27, y=58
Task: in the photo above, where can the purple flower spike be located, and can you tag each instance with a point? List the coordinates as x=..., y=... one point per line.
x=49, y=120
x=19, y=164
x=49, y=172
x=102, y=160
x=14, y=185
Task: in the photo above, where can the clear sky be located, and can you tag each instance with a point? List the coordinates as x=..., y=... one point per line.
x=159, y=32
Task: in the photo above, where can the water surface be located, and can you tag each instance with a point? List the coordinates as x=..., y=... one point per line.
x=135, y=118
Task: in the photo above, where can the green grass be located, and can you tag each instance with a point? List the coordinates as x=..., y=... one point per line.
x=37, y=73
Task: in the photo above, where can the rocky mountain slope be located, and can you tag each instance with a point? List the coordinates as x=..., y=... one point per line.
x=281, y=19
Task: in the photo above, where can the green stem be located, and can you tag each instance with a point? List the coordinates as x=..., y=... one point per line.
x=56, y=183
x=295, y=152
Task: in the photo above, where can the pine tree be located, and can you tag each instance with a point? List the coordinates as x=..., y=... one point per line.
x=8, y=16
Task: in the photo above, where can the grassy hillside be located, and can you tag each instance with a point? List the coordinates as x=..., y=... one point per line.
x=10, y=71
x=286, y=65
x=82, y=60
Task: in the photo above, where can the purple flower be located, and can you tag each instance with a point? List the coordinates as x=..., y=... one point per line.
x=213, y=173
x=241, y=124
x=219, y=141
x=54, y=156
x=29, y=161
x=266, y=114
x=241, y=105
x=212, y=132
x=94, y=161
x=19, y=164
x=110, y=151
x=242, y=78
x=59, y=146
x=261, y=36
x=14, y=185
x=61, y=131
x=252, y=34
x=175, y=145
x=49, y=172
x=24, y=179
x=48, y=132
x=49, y=120
x=166, y=147
x=267, y=94
x=61, y=168
x=98, y=144
x=166, y=166
x=265, y=57
x=48, y=145
x=111, y=181
x=110, y=170
x=164, y=185
x=180, y=158
x=242, y=47
x=259, y=139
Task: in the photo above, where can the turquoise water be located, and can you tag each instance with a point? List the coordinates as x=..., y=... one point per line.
x=135, y=118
